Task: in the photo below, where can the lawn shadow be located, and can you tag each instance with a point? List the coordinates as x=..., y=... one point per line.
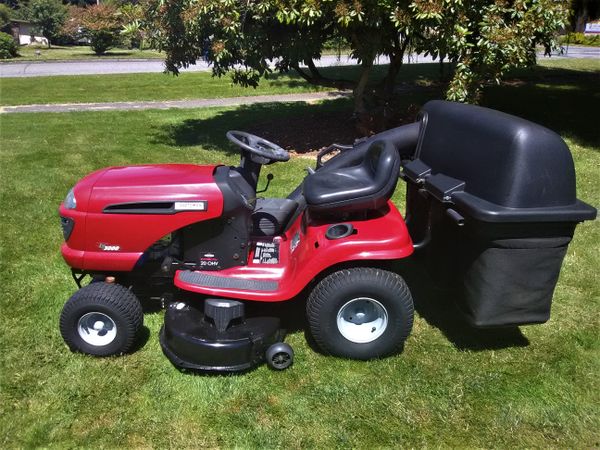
x=292, y=313
x=296, y=126
x=435, y=305
x=560, y=99
x=142, y=338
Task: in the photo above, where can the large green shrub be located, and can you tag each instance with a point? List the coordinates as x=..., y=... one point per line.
x=8, y=46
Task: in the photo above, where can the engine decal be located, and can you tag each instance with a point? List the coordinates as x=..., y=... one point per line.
x=109, y=248
x=209, y=261
x=266, y=253
x=191, y=206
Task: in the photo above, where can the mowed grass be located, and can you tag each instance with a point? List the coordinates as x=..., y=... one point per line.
x=452, y=385
x=79, y=52
x=138, y=87
x=160, y=86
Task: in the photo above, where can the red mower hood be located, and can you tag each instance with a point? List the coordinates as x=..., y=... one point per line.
x=153, y=183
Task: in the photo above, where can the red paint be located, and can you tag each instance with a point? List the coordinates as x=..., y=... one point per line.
x=133, y=233
x=382, y=238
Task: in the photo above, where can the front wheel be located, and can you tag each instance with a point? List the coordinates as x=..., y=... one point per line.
x=360, y=313
x=101, y=319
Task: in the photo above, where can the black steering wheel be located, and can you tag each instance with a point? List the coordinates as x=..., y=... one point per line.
x=258, y=146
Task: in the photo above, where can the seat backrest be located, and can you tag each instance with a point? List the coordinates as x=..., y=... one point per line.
x=383, y=162
x=365, y=185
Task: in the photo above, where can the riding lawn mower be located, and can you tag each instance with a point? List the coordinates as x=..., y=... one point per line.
x=490, y=207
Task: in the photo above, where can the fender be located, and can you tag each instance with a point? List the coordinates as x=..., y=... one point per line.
x=304, y=252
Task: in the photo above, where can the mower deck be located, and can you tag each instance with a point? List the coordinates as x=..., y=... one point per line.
x=190, y=341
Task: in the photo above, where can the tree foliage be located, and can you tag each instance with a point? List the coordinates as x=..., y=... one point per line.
x=8, y=47
x=5, y=15
x=132, y=16
x=481, y=38
x=48, y=16
x=101, y=24
x=71, y=30
x=485, y=38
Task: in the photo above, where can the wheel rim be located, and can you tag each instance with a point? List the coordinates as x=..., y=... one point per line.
x=362, y=320
x=97, y=329
x=281, y=360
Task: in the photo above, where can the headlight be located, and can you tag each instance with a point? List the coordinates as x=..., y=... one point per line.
x=70, y=201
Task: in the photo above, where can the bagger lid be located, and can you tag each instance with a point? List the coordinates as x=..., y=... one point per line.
x=494, y=166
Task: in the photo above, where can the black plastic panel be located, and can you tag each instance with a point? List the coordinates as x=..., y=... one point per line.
x=191, y=342
x=495, y=167
x=503, y=159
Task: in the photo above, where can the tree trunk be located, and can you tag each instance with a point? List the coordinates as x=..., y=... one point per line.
x=315, y=77
x=389, y=82
x=363, y=111
x=381, y=113
x=360, y=104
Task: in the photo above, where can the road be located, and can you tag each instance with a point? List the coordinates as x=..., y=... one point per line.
x=94, y=67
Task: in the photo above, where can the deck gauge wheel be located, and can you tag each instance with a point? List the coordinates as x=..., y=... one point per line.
x=280, y=356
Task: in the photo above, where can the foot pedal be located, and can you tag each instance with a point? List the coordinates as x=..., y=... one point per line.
x=222, y=312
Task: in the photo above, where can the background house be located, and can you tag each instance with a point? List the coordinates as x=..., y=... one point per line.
x=25, y=33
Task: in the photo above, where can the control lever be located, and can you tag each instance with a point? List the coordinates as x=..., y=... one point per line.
x=269, y=178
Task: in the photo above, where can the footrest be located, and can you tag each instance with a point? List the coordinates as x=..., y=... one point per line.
x=214, y=281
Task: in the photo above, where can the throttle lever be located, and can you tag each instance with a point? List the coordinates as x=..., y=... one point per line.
x=269, y=178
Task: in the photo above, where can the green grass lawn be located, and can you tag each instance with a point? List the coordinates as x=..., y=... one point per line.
x=454, y=386
x=79, y=52
x=159, y=86
x=138, y=86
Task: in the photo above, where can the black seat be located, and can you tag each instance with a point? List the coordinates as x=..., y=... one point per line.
x=366, y=185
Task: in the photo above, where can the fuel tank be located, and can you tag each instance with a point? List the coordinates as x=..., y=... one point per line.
x=121, y=211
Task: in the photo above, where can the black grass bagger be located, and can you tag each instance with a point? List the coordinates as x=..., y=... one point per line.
x=493, y=197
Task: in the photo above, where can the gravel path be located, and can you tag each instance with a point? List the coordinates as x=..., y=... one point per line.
x=197, y=103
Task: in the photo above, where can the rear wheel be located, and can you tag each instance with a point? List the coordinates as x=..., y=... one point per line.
x=361, y=313
x=101, y=319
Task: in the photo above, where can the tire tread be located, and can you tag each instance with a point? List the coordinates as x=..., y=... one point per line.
x=114, y=296
x=335, y=281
